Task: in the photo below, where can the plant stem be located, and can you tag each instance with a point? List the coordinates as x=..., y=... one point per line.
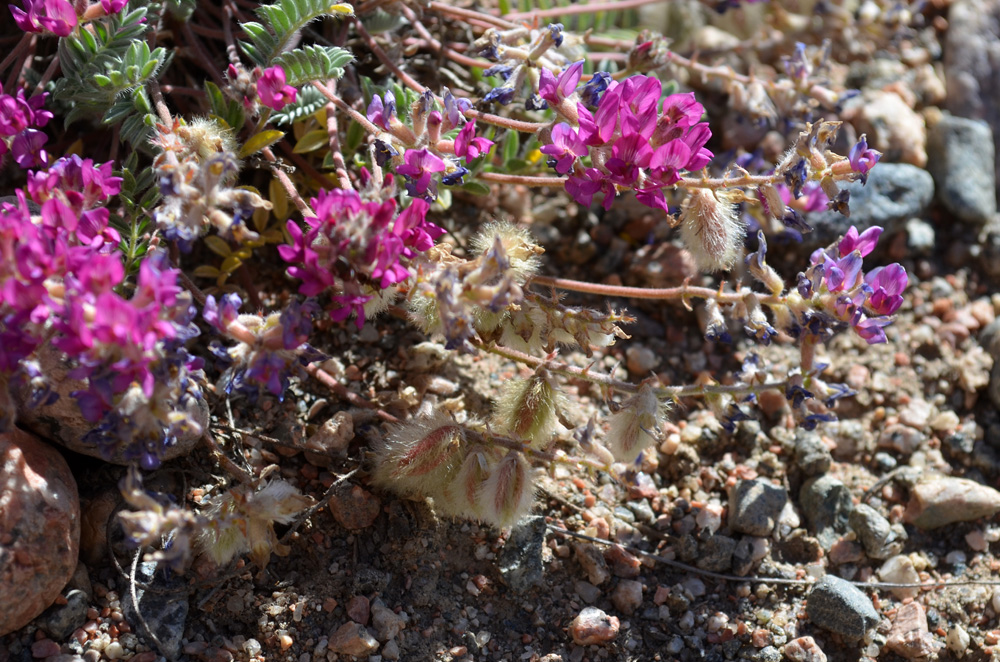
x=573, y=10
x=682, y=292
x=527, y=180
x=458, y=12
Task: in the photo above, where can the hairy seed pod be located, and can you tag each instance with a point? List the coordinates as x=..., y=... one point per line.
x=418, y=456
x=636, y=425
x=509, y=491
x=711, y=230
x=527, y=409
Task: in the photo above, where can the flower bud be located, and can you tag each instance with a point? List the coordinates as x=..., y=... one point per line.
x=772, y=201
x=711, y=230
x=636, y=425
x=509, y=491
x=527, y=409
x=518, y=245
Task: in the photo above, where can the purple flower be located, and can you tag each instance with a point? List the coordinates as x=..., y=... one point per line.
x=842, y=275
x=583, y=189
x=453, y=107
x=418, y=166
x=870, y=329
x=863, y=159
x=222, y=313
x=469, y=147
x=272, y=90
x=864, y=243
x=555, y=90
x=566, y=146
x=887, y=285
x=27, y=148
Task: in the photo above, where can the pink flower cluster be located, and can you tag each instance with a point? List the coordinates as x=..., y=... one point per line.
x=840, y=287
x=633, y=142
x=351, y=243
x=20, y=118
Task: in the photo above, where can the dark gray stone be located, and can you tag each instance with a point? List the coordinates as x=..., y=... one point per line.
x=960, y=156
x=164, y=609
x=520, y=560
x=59, y=621
x=972, y=62
x=879, y=538
x=811, y=454
x=717, y=554
x=755, y=506
x=837, y=605
x=826, y=503
x=895, y=193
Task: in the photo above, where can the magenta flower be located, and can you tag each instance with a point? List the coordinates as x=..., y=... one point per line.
x=863, y=243
x=55, y=16
x=469, y=147
x=887, y=285
x=629, y=154
x=555, y=90
x=272, y=90
x=566, y=146
x=92, y=184
x=113, y=6
x=418, y=166
x=583, y=189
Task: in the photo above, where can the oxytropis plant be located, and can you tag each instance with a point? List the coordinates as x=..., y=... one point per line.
x=99, y=266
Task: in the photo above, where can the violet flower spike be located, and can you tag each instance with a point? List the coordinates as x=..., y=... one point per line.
x=417, y=167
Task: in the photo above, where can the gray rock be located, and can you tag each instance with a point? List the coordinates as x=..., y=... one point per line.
x=59, y=621
x=874, y=531
x=962, y=161
x=811, y=454
x=837, y=605
x=755, y=506
x=520, y=560
x=717, y=554
x=972, y=62
x=920, y=237
x=826, y=503
x=165, y=609
x=895, y=193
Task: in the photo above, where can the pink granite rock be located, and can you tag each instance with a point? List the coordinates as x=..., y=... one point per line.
x=593, y=626
x=909, y=636
x=39, y=527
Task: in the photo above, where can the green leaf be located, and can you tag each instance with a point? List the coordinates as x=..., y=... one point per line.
x=312, y=141
x=260, y=141
x=206, y=271
x=510, y=146
x=310, y=63
x=504, y=7
x=476, y=188
x=284, y=19
x=218, y=245
x=307, y=102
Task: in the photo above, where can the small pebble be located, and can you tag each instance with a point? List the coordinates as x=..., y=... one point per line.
x=358, y=609
x=627, y=596
x=114, y=650
x=958, y=641
x=899, y=570
x=804, y=649
x=909, y=636
x=937, y=501
x=352, y=639
x=837, y=605
x=44, y=648
x=593, y=626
